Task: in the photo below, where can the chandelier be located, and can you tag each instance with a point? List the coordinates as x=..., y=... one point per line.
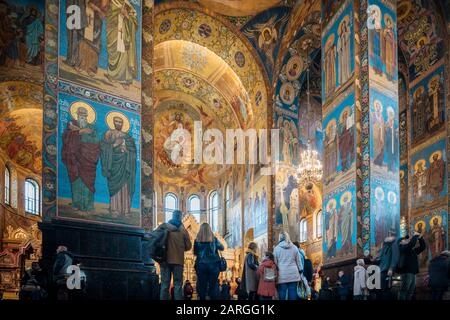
x=310, y=167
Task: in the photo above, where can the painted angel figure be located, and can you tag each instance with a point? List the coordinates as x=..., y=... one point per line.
x=266, y=35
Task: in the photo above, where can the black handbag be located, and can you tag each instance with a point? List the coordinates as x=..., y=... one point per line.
x=222, y=263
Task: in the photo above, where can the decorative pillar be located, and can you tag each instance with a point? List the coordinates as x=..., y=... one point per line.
x=360, y=121
x=94, y=112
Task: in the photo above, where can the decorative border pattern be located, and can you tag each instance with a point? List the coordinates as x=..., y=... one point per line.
x=98, y=96
x=363, y=105
x=50, y=118
x=147, y=116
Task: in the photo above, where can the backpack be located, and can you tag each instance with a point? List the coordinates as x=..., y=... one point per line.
x=158, y=244
x=269, y=274
x=308, y=270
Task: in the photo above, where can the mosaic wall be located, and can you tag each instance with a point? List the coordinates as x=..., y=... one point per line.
x=421, y=40
x=98, y=102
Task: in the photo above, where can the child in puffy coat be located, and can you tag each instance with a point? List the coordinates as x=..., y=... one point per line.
x=267, y=274
x=360, y=279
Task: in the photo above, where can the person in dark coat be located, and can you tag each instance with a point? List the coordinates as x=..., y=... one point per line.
x=408, y=265
x=343, y=284
x=225, y=290
x=33, y=283
x=249, y=276
x=240, y=290
x=206, y=248
x=439, y=272
x=63, y=260
x=387, y=260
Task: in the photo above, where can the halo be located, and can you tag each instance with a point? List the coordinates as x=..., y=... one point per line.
x=344, y=19
x=393, y=196
x=342, y=114
x=346, y=194
x=439, y=153
x=436, y=79
x=76, y=105
x=402, y=174
x=379, y=191
x=390, y=110
x=290, y=87
x=417, y=223
x=436, y=217
x=416, y=165
x=387, y=17
x=330, y=124
x=110, y=122
x=418, y=90
x=330, y=41
x=294, y=60
x=378, y=102
x=331, y=203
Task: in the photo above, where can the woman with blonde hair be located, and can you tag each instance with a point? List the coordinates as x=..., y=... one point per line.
x=249, y=276
x=206, y=247
x=287, y=258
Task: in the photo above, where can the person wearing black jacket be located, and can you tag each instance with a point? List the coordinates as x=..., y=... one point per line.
x=249, y=276
x=439, y=272
x=33, y=284
x=343, y=284
x=63, y=260
x=409, y=264
x=387, y=260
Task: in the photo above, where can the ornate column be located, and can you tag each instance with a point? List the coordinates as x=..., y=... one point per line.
x=360, y=121
x=98, y=107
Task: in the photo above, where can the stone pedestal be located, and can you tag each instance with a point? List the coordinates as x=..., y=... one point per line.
x=114, y=259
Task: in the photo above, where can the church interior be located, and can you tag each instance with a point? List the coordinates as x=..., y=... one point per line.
x=92, y=91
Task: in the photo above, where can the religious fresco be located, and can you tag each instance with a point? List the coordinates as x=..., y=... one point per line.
x=234, y=217
x=105, y=52
x=382, y=27
x=178, y=114
x=21, y=123
x=217, y=36
x=22, y=39
x=171, y=82
x=256, y=204
x=339, y=227
x=289, y=142
x=427, y=106
x=434, y=228
x=384, y=211
x=98, y=161
x=339, y=140
x=287, y=214
x=384, y=153
x=428, y=177
x=265, y=32
x=338, y=47
x=420, y=36
x=404, y=190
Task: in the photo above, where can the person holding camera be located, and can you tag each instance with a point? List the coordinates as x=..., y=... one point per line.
x=408, y=265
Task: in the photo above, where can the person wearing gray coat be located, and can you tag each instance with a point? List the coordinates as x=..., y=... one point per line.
x=288, y=260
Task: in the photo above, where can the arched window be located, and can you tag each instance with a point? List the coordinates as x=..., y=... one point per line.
x=32, y=197
x=214, y=211
x=303, y=231
x=170, y=204
x=7, y=186
x=193, y=206
x=319, y=224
